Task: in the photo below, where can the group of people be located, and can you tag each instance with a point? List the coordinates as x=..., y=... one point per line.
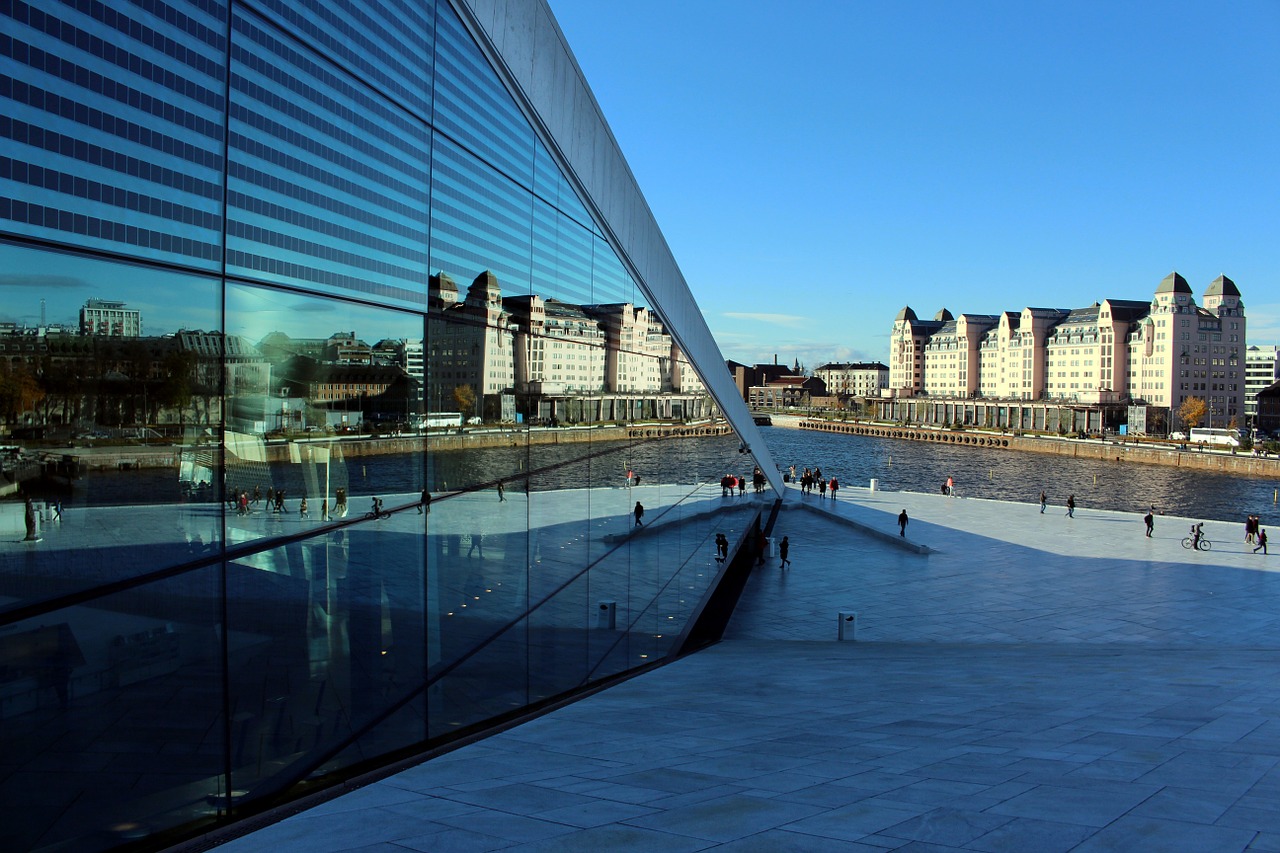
x=1254, y=534
x=811, y=479
x=243, y=502
x=1044, y=502
x=762, y=545
x=731, y=482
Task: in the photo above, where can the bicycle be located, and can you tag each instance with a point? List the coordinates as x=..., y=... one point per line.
x=1205, y=544
x=377, y=512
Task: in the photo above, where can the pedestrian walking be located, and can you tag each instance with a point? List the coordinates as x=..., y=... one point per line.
x=951, y=487
x=784, y=547
x=1044, y=501
x=502, y=492
x=1251, y=529
x=822, y=489
x=424, y=505
x=639, y=513
x=1071, y=506
x=902, y=523
x=1150, y=521
x=722, y=547
x=1262, y=542
x=835, y=486
x=302, y=508
x=324, y=510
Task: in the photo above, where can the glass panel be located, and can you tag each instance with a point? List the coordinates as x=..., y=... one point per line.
x=479, y=220
x=111, y=717
x=327, y=182
x=388, y=42
x=327, y=639
x=115, y=130
x=559, y=506
x=324, y=411
x=473, y=107
x=110, y=382
x=554, y=189
x=479, y=590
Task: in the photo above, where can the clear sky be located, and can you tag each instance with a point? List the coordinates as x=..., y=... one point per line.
x=816, y=166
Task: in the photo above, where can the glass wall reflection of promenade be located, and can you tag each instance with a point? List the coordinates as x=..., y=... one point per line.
x=262, y=269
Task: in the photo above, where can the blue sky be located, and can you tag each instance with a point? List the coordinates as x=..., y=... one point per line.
x=815, y=166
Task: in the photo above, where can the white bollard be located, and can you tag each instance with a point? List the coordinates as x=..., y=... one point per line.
x=848, y=629
x=875, y=485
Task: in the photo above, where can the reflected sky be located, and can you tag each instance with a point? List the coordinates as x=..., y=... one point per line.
x=253, y=312
x=169, y=301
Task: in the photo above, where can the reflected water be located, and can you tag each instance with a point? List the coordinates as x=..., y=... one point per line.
x=684, y=460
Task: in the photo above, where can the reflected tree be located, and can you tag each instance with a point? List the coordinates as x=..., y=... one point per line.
x=1192, y=411
x=465, y=398
x=20, y=391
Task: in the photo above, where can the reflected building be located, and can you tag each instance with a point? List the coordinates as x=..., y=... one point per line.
x=270, y=267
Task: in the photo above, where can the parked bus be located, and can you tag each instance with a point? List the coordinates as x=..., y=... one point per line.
x=440, y=419
x=1220, y=437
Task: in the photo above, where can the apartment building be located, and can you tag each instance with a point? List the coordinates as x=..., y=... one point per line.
x=1156, y=353
x=861, y=379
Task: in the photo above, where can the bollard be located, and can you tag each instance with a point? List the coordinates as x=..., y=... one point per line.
x=875, y=484
x=848, y=629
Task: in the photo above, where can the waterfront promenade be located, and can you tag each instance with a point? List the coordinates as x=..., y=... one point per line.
x=1031, y=683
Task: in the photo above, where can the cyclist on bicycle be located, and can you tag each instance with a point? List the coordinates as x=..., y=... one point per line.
x=1196, y=534
x=376, y=510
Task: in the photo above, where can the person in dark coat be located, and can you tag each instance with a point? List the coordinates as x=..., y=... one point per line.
x=784, y=547
x=902, y=523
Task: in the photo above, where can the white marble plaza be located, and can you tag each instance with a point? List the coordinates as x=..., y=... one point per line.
x=1031, y=683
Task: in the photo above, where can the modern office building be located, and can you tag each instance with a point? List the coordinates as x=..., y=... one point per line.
x=1261, y=371
x=1155, y=353
x=202, y=612
x=114, y=319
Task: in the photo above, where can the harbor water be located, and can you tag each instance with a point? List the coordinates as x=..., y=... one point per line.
x=1009, y=475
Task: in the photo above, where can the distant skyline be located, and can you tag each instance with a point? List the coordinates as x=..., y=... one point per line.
x=817, y=166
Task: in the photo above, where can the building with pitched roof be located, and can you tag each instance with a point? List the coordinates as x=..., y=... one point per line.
x=1155, y=353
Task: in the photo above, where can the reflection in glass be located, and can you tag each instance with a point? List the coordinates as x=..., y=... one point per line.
x=326, y=634
x=112, y=717
x=402, y=301
x=324, y=414
x=110, y=400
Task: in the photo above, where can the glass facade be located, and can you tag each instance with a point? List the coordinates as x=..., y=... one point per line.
x=270, y=274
